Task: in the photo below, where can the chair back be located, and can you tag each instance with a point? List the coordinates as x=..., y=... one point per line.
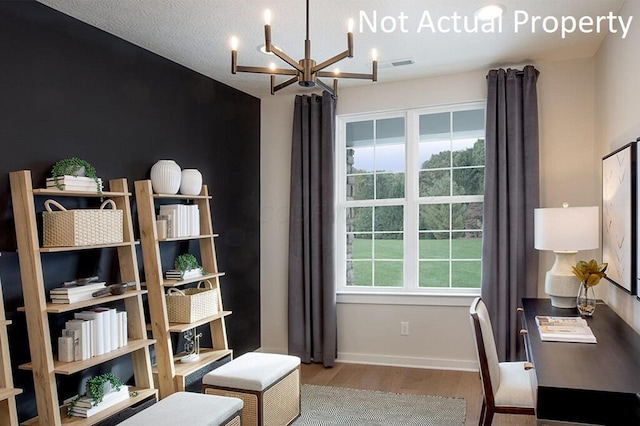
x=486, y=349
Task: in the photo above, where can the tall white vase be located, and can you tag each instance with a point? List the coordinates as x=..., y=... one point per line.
x=165, y=177
x=191, y=182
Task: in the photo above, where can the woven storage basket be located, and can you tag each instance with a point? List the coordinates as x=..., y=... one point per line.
x=81, y=227
x=192, y=304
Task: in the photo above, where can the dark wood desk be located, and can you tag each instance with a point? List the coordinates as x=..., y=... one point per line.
x=582, y=382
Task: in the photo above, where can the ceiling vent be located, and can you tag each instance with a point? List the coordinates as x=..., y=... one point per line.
x=395, y=63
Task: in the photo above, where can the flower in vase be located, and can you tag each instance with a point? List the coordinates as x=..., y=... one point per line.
x=590, y=273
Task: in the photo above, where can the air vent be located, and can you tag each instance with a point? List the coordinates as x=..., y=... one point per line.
x=395, y=63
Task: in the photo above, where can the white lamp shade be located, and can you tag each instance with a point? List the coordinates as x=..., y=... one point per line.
x=567, y=228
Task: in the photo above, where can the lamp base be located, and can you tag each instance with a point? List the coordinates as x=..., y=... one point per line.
x=560, y=283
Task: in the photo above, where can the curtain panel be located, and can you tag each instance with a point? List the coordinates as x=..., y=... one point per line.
x=312, y=290
x=509, y=259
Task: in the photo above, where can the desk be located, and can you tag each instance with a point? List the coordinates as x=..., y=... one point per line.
x=582, y=382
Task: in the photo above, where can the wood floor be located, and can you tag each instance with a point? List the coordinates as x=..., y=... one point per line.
x=412, y=381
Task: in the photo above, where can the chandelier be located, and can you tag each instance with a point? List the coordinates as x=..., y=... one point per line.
x=306, y=71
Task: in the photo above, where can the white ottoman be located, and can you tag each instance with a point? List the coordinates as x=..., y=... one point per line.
x=268, y=384
x=189, y=408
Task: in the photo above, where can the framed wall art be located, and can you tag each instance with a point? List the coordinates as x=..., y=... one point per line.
x=619, y=219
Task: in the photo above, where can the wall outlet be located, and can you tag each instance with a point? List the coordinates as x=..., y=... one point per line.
x=404, y=328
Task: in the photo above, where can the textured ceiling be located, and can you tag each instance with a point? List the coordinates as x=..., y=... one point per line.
x=195, y=33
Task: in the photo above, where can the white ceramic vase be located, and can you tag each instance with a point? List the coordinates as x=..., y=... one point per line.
x=191, y=182
x=165, y=177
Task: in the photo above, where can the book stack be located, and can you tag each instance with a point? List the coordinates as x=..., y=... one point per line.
x=86, y=407
x=75, y=183
x=91, y=333
x=183, y=220
x=564, y=329
x=77, y=293
x=174, y=274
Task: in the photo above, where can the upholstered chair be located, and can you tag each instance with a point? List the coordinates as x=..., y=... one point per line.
x=507, y=386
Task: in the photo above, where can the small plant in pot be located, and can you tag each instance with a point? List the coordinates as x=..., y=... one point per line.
x=96, y=388
x=186, y=263
x=74, y=166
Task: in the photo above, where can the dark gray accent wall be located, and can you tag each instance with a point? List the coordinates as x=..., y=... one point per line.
x=69, y=89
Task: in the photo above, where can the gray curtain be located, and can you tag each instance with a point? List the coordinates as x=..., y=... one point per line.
x=312, y=290
x=509, y=260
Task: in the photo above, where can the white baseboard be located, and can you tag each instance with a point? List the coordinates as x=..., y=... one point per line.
x=412, y=362
x=395, y=361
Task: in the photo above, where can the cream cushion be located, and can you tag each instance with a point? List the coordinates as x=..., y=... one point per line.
x=515, y=388
x=187, y=408
x=253, y=371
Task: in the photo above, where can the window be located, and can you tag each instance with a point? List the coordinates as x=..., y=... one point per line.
x=410, y=198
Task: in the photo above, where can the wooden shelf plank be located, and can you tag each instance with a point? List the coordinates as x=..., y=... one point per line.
x=59, y=308
x=178, y=327
x=91, y=247
x=193, y=237
x=68, y=193
x=207, y=356
x=68, y=368
x=5, y=322
x=176, y=283
x=80, y=421
x=6, y=393
x=183, y=197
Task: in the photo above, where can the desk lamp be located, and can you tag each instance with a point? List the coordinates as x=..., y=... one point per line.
x=565, y=230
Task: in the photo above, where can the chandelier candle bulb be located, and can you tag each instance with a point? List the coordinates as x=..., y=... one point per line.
x=267, y=17
x=350, y=38
x=234, y=55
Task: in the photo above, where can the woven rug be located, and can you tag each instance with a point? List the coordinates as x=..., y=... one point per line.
x=329, y=406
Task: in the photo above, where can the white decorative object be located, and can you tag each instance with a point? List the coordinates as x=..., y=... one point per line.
x=565, y=231
x=165, y=177
x=191, y=182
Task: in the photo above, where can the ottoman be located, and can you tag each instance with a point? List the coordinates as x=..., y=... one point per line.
x=189, y=408
x=268, y=384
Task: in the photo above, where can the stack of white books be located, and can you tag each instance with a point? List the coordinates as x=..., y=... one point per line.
x=174, y=274
x=75, y=183
x=183, y=220
x=564, y=329
x=76, y=293
x=86, y=407
x=94, y=332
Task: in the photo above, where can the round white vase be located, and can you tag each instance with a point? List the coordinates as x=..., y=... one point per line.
x=191, y=182
x=165, y=177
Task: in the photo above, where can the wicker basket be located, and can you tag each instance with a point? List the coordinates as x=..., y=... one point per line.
x=81, y=227
x=192, y=304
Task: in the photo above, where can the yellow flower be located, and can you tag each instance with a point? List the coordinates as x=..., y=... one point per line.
x=590, y=273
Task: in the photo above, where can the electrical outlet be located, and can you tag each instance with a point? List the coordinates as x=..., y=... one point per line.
x=404, y=328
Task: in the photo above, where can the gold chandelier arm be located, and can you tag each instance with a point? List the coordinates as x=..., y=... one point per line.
x=345, y=75
x=275, y=88
x=280, y=54
x=266, y=70
x=331, y=61
x=326, y=87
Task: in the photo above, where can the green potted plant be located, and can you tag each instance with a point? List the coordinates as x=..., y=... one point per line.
x=187, y=263
x=95, y=388
x=74, y=166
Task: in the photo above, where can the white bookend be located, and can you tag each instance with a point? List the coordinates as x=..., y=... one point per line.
x=77, y=347
x=85, y=342
x=65, y=349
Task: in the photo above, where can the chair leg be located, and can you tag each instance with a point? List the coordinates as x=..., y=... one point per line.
x=488, y=417
x=483, y=411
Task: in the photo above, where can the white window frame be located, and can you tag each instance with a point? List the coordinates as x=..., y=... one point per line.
x=410, y=292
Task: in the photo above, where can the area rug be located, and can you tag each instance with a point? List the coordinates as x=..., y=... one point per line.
x=329, y=406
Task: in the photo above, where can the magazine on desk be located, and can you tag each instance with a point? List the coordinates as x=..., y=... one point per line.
x=564, y=329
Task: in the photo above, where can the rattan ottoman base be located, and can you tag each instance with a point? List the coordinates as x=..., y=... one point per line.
x=278, y=405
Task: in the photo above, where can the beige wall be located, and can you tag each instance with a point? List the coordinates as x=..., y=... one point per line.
x=440, y=336
x=618, y=122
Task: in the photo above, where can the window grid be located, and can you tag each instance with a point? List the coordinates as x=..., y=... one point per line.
x=414, y=262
